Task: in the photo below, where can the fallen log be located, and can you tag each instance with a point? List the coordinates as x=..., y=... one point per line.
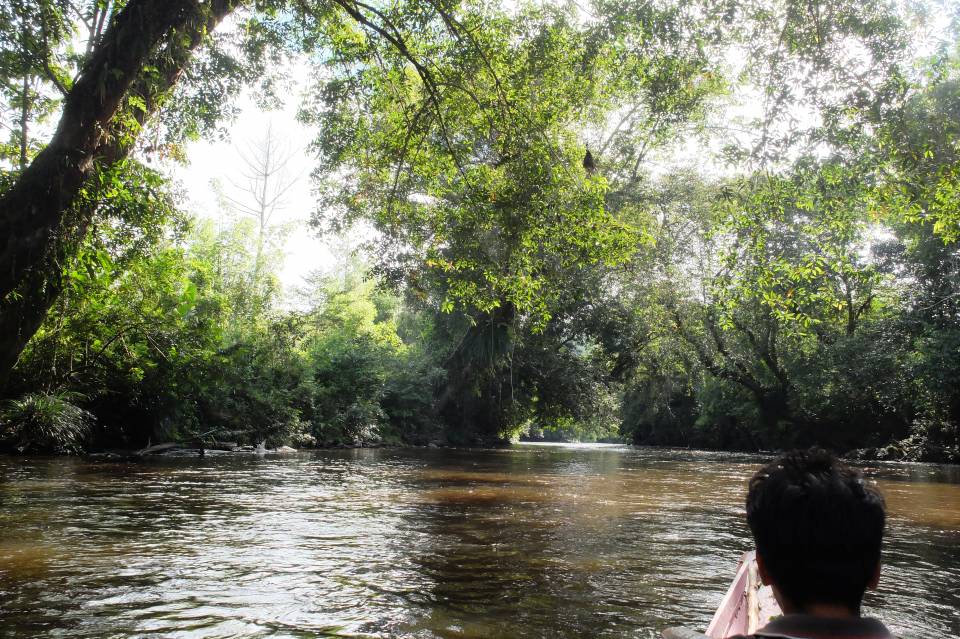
x=156, y=449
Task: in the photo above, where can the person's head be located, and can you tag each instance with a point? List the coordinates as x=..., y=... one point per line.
x=818, y=528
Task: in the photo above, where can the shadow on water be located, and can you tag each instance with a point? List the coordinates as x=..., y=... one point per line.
x=533, y=541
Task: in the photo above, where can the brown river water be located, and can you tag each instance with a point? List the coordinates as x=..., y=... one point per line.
x=532, y=541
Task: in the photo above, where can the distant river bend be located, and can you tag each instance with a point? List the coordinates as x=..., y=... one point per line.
x=533, y=541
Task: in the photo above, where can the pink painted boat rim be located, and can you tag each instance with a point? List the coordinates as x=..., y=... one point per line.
x=747, y=606
x=731, y=617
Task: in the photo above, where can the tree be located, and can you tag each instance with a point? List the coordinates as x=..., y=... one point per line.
x=117, y=74
x=266, y=182
x=537, y=253
x=44, y=215
x=917, y=167
x=141, y=51
x=489, y=213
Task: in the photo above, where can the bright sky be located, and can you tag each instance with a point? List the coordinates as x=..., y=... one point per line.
x=220, y=160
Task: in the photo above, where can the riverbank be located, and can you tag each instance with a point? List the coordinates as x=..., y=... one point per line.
x=905, y=451
x=172, y=449
x=917, y=449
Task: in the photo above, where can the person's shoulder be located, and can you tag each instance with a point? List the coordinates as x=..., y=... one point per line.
x=798, y=626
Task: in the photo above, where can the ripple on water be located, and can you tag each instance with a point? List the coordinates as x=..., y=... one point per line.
x=535, y=541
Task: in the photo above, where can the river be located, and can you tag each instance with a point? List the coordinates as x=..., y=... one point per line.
x=532, y=541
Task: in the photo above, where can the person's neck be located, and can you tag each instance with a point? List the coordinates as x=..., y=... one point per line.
x=829, y=611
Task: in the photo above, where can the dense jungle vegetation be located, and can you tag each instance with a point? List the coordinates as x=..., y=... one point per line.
x=729, y=224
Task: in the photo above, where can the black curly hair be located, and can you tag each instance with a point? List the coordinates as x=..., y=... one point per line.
x=818, y=528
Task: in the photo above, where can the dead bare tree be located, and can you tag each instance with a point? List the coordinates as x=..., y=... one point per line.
x=263, y=185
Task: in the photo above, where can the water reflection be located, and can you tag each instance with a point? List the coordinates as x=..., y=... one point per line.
x=535, y=541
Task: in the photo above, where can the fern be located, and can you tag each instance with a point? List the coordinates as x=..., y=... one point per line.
x=45, y=422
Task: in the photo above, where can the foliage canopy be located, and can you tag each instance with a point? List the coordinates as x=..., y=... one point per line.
x=728, y=223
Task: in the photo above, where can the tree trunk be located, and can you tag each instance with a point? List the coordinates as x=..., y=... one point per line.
x=40, y=223
x=31, y=211
x=24, y=313
x=774, y=407
x=477, y=401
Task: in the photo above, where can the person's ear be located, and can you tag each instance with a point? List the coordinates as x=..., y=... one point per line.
x=875, y=579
